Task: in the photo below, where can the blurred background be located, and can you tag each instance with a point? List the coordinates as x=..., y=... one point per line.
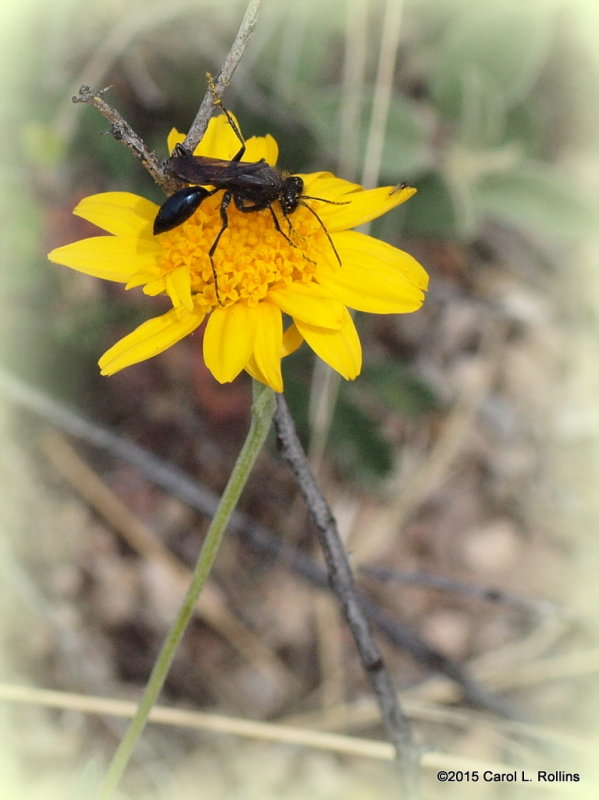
x=461, y=465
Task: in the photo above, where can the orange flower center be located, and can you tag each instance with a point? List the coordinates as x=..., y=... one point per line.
x=252, y=256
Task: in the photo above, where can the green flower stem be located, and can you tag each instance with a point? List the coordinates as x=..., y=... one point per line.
x=263, y=407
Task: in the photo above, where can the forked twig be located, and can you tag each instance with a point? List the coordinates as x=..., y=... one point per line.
x=123, y=132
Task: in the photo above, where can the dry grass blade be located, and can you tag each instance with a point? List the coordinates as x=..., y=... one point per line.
x=216, y=723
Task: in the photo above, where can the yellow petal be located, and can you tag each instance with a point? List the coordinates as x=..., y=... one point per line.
x=265, y=364
x=220, y=140
x=142, y=278
x=292, y=340
x=254, y=372
x=178, y=287
x=120, y=213
x=361, y=246
x=114, y=258
x=340, y=349
x=229, y=340
x=310, y=304
x=327, y=185
x=149, y=339
x=153, y=288
x=361, y=207
x=258, y=147
x=374, y=276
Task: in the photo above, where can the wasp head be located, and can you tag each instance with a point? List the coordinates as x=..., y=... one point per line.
x=291, y=193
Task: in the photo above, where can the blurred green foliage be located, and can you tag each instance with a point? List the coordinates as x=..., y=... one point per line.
x=359, y=450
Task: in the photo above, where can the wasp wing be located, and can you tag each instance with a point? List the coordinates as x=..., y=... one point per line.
x=221, y=173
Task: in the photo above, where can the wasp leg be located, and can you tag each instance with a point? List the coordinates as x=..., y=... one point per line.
x=218, y=102
x=239, y=155
x=277, y=225
x=179, y=150
x=225, y=220
x=240, y=203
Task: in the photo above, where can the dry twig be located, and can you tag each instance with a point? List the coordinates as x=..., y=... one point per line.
x=342, y=583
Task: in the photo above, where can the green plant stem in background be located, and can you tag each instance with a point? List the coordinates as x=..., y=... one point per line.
x=263, y=407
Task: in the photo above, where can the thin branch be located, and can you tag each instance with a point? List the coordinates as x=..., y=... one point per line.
x=491, y=594
x=433, y=659
x=342, y=583
x=123, y=132
x=244, y=34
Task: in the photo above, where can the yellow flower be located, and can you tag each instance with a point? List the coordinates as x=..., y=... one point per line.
x=263, y=273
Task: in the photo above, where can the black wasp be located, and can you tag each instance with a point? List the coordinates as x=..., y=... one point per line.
x=253, y=186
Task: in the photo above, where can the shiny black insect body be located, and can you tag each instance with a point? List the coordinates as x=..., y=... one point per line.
x=252, y=186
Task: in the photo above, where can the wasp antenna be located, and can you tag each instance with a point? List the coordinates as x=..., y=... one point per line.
x=324, y=200
x=322, y=225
